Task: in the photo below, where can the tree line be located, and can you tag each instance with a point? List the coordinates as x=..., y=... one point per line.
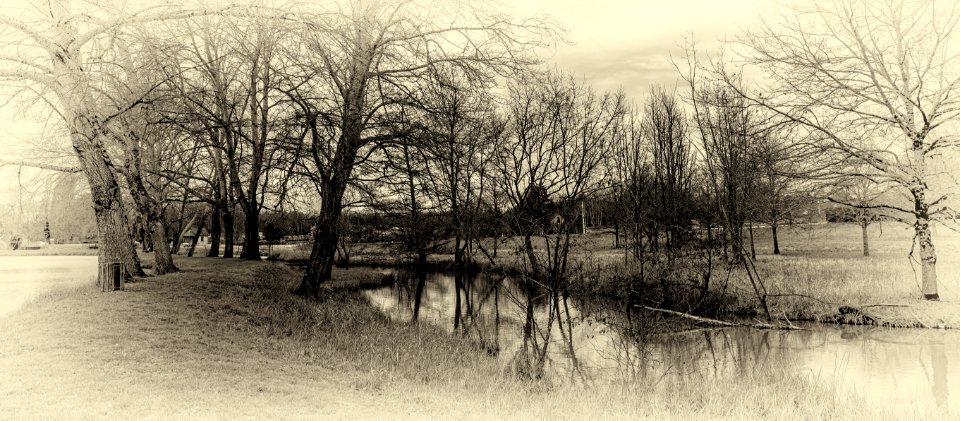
x=442, y=116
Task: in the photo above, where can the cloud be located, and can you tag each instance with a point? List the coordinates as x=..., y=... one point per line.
x=629, y=44
x=632, y=68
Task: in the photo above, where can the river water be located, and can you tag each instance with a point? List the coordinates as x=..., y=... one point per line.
x=24, y=277
x=593, y=343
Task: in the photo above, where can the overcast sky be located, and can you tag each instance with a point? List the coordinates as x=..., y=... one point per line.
x=618, y=43
x=612, y=44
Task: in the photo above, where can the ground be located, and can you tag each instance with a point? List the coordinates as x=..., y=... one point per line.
x=176, y=347
x=223, y=339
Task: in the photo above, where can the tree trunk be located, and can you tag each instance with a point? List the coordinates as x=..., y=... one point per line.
x=866, y=243
x=928, y=254
x=616, y=233
x=457, y=251
x=753, y=248
x=251, y=232
x=115, y=242
x=326, y=227
x=776, y=240
x=76, y=101
x=215, y=232
x=322, y=255
x=325, y=234
x=196, y=236
x=228, y=237
x=421, y=282
x=148, y=207
x=258, y=138
x=458, y=306
x=531, y=256
x=174, y=241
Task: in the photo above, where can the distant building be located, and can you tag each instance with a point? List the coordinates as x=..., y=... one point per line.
x=203, y=239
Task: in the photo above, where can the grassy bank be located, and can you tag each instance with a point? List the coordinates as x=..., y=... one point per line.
x=224, y=340
x=820, y=270
x=823, y=268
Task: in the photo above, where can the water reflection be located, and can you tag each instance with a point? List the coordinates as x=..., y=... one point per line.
x=589, y=341
x=24, y=277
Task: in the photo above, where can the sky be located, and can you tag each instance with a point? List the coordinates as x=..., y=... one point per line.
x=611, y=44
x=628, y=44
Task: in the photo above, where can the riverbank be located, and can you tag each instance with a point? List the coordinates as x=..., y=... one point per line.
x=821, y=270
x=54, y=250
x=224, y=339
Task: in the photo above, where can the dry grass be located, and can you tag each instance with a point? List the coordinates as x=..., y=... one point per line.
x=823, y=267
x=223, y=339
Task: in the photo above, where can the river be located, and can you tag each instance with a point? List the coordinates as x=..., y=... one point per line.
x=917, y=366
x=24, y=277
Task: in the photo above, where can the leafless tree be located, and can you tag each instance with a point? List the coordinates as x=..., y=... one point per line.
x=57, y=52
x=864, y=198
x=875, y=84
x=358, y=64
x=64, y=54
x=665, y=129
x=549, y=162
x=785, y=177
x=462, y=125
x=729, y=130
x=630, y=174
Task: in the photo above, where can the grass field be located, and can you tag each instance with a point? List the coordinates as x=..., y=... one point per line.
x=223, y=339
x=824, y=266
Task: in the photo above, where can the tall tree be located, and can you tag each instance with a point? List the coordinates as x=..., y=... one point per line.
x=665, y=130
x=362, y=59
x=561, y=133
x=875, y=82
x=460, y=125
x=59, y=51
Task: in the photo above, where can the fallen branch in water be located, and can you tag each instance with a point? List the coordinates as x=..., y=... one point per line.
x=721, y=322
x=885, y=305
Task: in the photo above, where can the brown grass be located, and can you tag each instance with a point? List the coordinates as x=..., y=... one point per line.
x=223, y=339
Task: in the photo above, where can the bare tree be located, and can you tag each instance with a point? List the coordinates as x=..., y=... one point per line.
x=137, y=141
x=58, y=52
x=785, y=171
x=728, y=130
x=874, y=83
x=361, y=61
x=629, y=170
x=209, y=95
x=461, y=126
x=551, y=161
x=260, y=41
x=864, y=197
x=665, y=129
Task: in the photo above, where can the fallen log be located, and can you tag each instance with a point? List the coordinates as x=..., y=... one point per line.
x=723, y=323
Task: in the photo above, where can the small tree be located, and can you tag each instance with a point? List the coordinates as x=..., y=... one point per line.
x=863, y=197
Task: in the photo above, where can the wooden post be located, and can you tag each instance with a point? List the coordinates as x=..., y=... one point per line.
x=111, y=277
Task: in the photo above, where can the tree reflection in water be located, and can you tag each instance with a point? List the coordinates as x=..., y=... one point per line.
x=545, y=333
